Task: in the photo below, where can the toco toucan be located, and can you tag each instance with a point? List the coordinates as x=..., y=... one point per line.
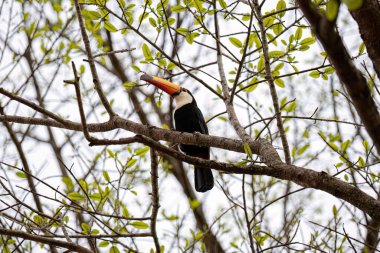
x=187, y=118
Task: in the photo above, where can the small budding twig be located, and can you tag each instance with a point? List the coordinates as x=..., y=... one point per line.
x=91, y=62
x=114, y=52
x=75, y=82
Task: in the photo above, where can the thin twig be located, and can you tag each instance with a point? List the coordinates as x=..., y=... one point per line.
x=91, y=61
x=114, y=52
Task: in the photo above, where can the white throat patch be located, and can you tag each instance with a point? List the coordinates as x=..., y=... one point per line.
x=182, y=99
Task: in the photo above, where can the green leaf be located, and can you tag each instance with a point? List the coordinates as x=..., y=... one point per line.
x=268, y=21
x=353, y=5
x=178, y=8
x=11, y=241
x=136, y=68
x=281, y=5
x=247, y=150
x=171, y=66
x=93, y=15
x=76, y=196
x=194, y=203
x=114, y=249
x=345, y=145
x=260, y=64
x=169, y=217
x=95, y=197
x=315, y=74
x=162, y=62
x=128, y=85
x=279, y=82
x=361, y=162
x=323, y=136
x=68, y=182
x=304, y=48
x=246, y=17
x=236, y=42
x=222, y=4
x=191, y=36
x=109, y=26
x=333, y=146
x=277, y=28
x=234, y=245
x=125, y=212
x=335, y=210
x=278, y=66
x=223, y=118
x=250, y=89
x=307, y=41
x=361, y=48
x=182, y=30
x=140, y=225
x=142, y=151
x=122, y=3
x=332, y=8
x=21, y=174
x=110, y=153
x=275, y=54
x=198, y=5
x=303, y=149
x=130, y=163
x=298, y=34
x=365, y=145
x=152, y=22
x=143, y=16
x=85, y=227
x=95, y=232
x=106, y=176
x=291, y=107
x=329, y=70
x=147, y=53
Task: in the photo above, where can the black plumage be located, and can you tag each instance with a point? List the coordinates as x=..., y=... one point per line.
x=188, y=118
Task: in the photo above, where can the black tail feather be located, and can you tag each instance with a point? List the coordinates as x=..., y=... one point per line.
x=204, y=179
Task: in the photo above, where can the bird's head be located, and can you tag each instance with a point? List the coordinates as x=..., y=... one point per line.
x=181, y=95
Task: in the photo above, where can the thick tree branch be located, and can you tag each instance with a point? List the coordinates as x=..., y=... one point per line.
x=352, y=79
x=155, y=198
x=368, y=19
x=41, y=239
x=275, y=167
x=302, y=176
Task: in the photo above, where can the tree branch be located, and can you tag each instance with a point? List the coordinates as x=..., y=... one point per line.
x=42, y=239
x=352, y=79
x=90, y=58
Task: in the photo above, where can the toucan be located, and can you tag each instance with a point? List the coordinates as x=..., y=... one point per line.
x=187, y=118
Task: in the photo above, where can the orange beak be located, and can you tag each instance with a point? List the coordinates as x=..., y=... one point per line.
x=162, y=84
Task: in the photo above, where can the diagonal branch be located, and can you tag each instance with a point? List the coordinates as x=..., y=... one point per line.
x=270, y=80
x=91, y=61
x=352, y=79
x=42, y=239
x=368, y=19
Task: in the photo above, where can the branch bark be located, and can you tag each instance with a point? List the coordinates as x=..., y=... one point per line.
x=42, y=239
x=352, y=79
x=368, y=19
x=275, y=167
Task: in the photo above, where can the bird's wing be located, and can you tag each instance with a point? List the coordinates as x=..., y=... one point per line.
x=201, y=121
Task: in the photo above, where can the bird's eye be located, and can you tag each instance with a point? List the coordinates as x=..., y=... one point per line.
x=184, y=89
